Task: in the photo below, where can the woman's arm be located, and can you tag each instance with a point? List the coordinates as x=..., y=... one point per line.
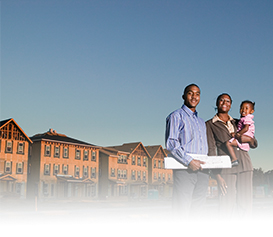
x=211, y=140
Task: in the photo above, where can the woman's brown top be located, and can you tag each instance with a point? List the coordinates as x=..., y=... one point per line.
x=218, y=133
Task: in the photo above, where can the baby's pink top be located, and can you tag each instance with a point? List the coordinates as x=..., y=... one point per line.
x=251, y=130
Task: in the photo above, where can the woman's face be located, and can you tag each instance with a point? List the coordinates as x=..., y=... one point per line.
x=224, y=104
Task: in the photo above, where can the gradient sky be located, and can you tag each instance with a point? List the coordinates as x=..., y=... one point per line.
x=109, y=72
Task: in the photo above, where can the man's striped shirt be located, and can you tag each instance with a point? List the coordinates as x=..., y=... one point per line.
x=185, y=133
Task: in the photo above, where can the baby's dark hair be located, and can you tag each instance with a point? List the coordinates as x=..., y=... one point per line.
x=249, y=102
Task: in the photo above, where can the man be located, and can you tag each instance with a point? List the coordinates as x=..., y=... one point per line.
x=185, y=134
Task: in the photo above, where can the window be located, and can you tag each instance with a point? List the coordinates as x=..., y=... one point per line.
x=139, y=161
x=56, y=169
x=163, y=176
x=77, y=171
x=8, y=167
x=144, y=175
x=45, y=189
x=144, y=161
x=20, y=149
x=155, y=176
x=154, y=163
x=122, y=159
x=78, y=154
x=113, y=173
x=133, y=175
x=65, y=152
x=122, y=190
x=9, y=147
x=57, y=151
x=85, y=157
x=133, y=160
x=65, y=169
x=93, y=158
x=47, y=169
x=122, y=174
x=47, y=150
x=93, y=173
x=138, y=175
x=159, y=177
x=125, y=174
x=159, y=164
x=19, y=168
x=85, y=172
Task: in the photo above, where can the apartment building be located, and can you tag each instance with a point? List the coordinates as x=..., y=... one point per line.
x=124, y=171
x=62, y=167
x=14, y=148
x=160, y=179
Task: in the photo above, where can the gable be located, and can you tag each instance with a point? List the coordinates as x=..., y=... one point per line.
x=10, y=130
x=160, y=153
x=140, y=150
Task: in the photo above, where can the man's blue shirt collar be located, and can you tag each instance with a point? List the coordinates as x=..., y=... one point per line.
x=189, y=111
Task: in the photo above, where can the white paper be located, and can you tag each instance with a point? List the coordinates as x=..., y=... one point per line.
x=211, y=162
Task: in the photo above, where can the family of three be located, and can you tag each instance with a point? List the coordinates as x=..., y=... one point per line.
x=187, y=133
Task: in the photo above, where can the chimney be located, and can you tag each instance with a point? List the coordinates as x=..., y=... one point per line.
x=51, y=130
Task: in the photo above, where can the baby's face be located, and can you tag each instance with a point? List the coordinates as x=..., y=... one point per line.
x=246, y=109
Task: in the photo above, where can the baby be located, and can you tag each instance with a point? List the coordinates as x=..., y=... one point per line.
x=245, y=133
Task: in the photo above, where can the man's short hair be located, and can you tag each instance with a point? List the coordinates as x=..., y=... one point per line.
x=187, y=88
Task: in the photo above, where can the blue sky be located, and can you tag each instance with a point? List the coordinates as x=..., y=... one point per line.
x=109, y=72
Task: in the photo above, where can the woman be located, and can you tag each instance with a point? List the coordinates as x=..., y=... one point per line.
x=234, y=184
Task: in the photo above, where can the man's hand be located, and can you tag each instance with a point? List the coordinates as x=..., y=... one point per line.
x=196, y=165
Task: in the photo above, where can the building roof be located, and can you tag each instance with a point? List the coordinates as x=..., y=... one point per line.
x=3, y=122
x=130, y=147
x=52, y=135
x=109, y=151
x=11, y=120
x=154, y=149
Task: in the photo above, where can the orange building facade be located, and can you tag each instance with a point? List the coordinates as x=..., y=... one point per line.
x=133, y=171
x=14, y=148
x=124, y=171
x=160, y=179
x=62, y=167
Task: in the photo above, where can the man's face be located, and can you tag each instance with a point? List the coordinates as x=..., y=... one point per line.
x=192, y=97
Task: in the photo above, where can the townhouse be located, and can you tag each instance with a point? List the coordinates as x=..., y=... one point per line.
x=53, y=165
x=62, y=167
x=160, y=179
x=14, y=147
x=124, y=171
